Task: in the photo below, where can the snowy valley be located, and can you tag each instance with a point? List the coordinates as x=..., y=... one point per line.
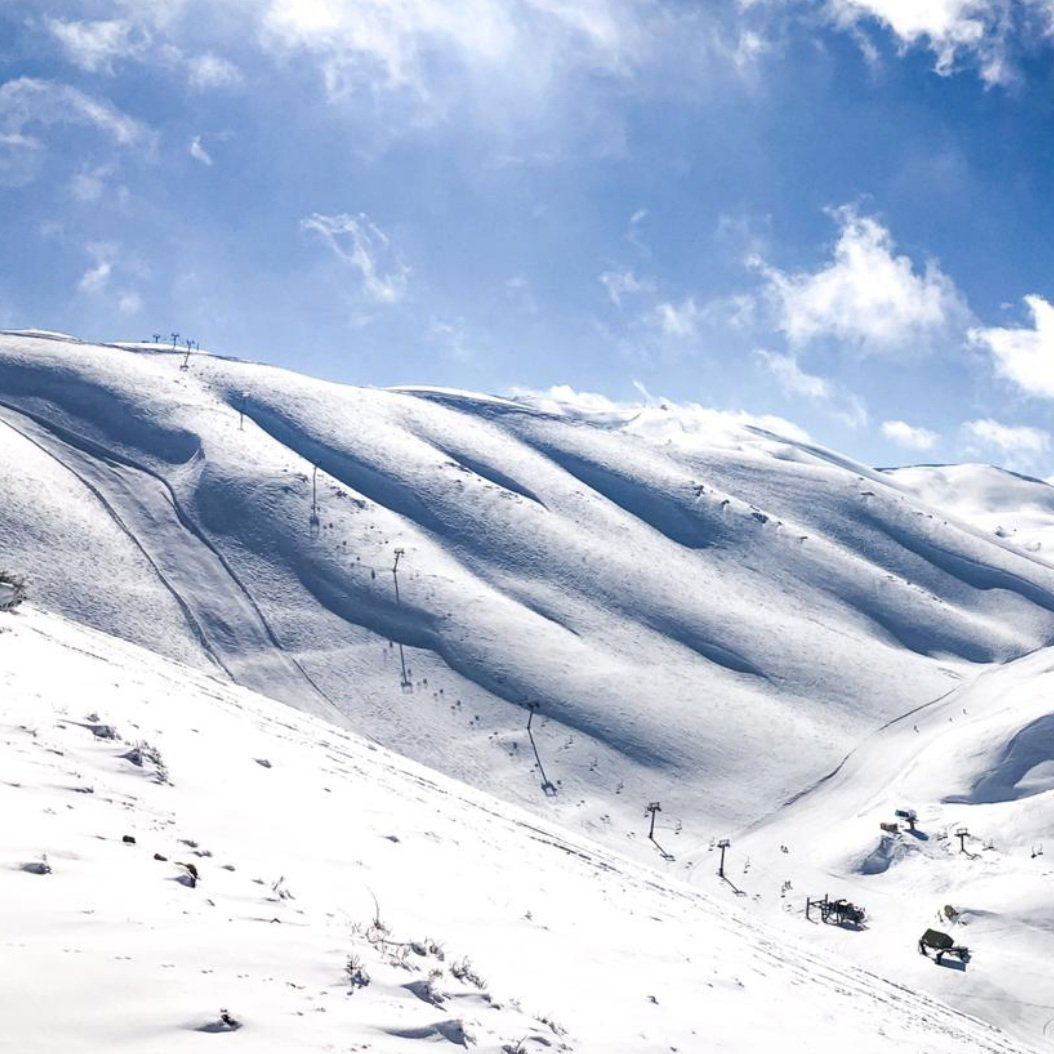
x=686, y=610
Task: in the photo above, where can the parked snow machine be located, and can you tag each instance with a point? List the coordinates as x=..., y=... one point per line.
x=943, y=945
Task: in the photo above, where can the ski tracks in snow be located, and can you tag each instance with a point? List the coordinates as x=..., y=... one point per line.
x=221, y=613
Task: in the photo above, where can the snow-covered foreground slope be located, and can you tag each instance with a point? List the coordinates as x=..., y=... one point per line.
x=679, y=603
x=980, y=761
x=301, y=836
x=1017, y=509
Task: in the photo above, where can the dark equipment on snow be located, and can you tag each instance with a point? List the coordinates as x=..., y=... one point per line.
x=943, y=945
x=909, y=816
x=839, y=911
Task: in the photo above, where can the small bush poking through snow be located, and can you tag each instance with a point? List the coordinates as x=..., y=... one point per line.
x=143, y=755
x=12, y=590
x=463, y=970
x=356, y=973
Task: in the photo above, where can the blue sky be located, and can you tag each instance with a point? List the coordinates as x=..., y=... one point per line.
x=839, y=212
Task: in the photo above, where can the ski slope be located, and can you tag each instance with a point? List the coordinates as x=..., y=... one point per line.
x=980, y=761
x=501, y=932
x=679, y=602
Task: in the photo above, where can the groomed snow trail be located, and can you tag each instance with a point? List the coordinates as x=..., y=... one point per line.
x=220, y=611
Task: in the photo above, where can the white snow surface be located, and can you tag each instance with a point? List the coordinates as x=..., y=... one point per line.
x=502, y=932
x=979, y=761
x=706, y=613
x=1015, y=508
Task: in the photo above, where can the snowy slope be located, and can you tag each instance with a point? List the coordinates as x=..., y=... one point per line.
x=982, y=761
x=1015, y=508
x=680, y=602
x=501, y=931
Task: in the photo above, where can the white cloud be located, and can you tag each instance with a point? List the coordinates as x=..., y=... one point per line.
x=93, y=46
x=633, y=232
x=28, y=103
x=383, y=46
x=97, y=281
x=1024, y=355
x=624, y=283
x=129, y=302
x=20, y=157
x=1018, y=446
x=868, y=296
x=679, y=321
x=97, y=277
x=96, y=46
x=794, y=381
x=212, y=71
x=977, y=29
x=365, y=248
x=198, y=152
x=88, y=184
x=910, y=436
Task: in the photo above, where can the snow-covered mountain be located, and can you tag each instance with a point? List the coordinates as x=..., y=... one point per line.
x=1018, y=509
x=344, y=898
x=704, y=613
x=679, y=609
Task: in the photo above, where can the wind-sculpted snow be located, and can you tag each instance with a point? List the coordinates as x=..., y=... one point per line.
x=712, y=626
x=1016, y=509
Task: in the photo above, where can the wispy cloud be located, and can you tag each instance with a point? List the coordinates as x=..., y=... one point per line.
x=198, y=151
x=796, y=382
x=88, y=184
x=28, y=104
x=620, y=284
x=100, y=280
x=28, y=101
x=97, y=277
x=678, y=321
x=910, y=436
x=793, y=379
x=367, y=250
x=212, y=71
x=96, y=45
x=452, y=336
x=376, y=45
x=143, y=34
x=1018, y=446
x=868, y=295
